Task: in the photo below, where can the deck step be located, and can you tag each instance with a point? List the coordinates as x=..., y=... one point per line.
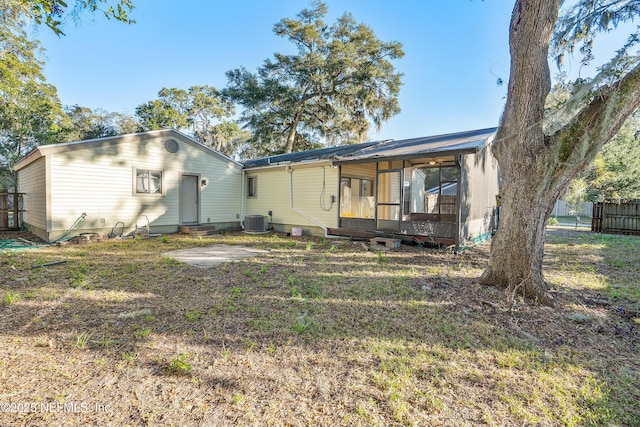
x=199, y=230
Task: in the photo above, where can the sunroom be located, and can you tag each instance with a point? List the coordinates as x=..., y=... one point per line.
x=438, y=189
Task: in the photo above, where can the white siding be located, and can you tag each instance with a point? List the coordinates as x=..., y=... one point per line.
x=32, y=182
x=99, y=181
x=305, y=184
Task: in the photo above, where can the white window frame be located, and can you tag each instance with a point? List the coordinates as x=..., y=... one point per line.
x=136, y=172
x=252, y=194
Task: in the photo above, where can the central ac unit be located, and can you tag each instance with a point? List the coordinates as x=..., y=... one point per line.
x=254, y=223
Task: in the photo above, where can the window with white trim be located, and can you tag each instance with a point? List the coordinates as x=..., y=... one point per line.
x=252, y=186
x=148, y=181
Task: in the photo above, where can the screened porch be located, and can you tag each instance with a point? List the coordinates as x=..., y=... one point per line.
x=401, y=197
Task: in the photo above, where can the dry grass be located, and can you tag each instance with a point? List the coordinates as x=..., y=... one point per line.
x=319, y=332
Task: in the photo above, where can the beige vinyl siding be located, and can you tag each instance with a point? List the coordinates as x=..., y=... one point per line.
x=32, y=182
x=479, y=190
x=99, y=181
x=273, y=194
x=363, y=170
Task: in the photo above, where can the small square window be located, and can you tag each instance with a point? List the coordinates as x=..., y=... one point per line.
x=148, y=181
x=252, y=186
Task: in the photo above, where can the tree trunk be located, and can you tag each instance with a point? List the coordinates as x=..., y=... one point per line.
x=517, y=250
x=520, y=147
x=291, y=137
x=536, y=168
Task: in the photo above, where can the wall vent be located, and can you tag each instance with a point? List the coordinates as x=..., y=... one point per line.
x=171, y=145
x=254, y=223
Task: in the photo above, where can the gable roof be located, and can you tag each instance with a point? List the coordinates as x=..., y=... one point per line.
x=425, y=147
x=43, y=150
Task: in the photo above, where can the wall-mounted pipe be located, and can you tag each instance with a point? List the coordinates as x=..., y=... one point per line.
x=243, y=184
x=302, y=213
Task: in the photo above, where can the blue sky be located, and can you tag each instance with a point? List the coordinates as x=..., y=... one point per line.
x=454, y=52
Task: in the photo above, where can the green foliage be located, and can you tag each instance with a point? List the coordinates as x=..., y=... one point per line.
x=85, y=123
x=30, y=111
x=614, y=173
x=193, y=315
x=585, y=19
x=10, y=297
x=575, y=195
x=200, y=111
x=340, y=81
x=52, y=12
x=179, y=365
x=305, y=323
x=82, y=340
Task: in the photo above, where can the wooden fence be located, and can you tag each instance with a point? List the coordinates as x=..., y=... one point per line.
x=561, y=208
x=616, y=218
x=11, y=209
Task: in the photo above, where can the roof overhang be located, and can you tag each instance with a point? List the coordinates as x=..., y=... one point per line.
x=291, y=165
x=416, y=157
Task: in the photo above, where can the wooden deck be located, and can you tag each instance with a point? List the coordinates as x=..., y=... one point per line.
x=367, y=235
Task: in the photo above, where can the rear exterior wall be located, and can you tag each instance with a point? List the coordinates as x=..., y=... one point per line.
x=297, y=197
x=100, y=181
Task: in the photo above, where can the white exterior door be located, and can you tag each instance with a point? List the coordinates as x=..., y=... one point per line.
x=189, y=200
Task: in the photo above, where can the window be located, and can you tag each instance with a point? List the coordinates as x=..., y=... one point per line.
x=148, y=181
x=434, y=190
x=252, y=186
x=356, y=197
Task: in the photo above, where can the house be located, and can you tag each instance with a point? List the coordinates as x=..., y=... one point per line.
x=440, y=188
x=158, y=179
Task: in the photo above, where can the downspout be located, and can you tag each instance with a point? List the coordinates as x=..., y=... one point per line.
x=301, y=213
x=458, y=201
x=242, y=201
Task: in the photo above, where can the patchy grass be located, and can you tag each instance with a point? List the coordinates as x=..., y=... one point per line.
x=318, y=332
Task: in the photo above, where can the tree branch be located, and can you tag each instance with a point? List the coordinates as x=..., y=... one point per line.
x=599, y=121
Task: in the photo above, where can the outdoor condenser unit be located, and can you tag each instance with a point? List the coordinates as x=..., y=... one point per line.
x=254, y=223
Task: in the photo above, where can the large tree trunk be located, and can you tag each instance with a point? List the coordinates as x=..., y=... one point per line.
x=536, y=168
x=518, y=247
x=517, y=250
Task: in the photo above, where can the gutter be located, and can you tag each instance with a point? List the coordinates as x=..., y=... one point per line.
x=287, y=163
x=242, y=200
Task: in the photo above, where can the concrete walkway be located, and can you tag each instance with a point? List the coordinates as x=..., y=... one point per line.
x=214, y=255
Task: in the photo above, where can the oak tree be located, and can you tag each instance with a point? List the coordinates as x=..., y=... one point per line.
x=85, y=123
x=30, y=111
x=339, y=82
x=200, y=111
x=538, y=153
x=52, y=13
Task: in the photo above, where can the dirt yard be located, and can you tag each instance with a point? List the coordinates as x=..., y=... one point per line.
x=317, y=332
